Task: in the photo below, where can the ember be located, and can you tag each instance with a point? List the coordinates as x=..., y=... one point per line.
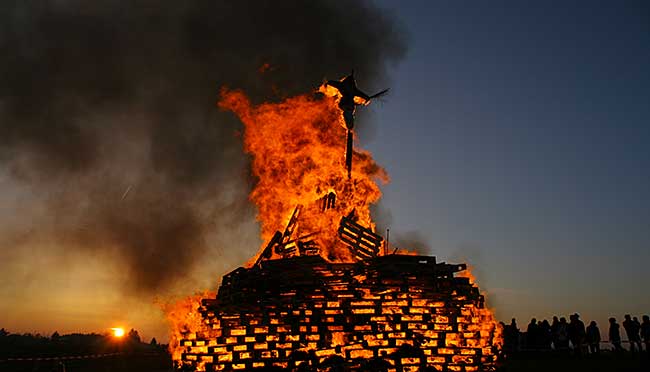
x=324, y=289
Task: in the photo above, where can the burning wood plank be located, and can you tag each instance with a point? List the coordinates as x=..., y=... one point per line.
x=268, y=250
x=284, y=248
x=328, y=201
x=282, y=244
x=362, y=241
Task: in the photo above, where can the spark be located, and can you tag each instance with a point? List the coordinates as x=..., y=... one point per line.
x=126, y=192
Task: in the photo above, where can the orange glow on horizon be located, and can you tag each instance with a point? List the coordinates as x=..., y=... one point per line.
x=118, y=332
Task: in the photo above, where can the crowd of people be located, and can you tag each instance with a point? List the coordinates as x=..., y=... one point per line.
x=574, y=337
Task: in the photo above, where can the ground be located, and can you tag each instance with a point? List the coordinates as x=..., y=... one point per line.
x=161, y=362
x=150, y=362
x=605, y=362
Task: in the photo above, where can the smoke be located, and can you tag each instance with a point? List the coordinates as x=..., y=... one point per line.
x=110, y=141
x=472, y=254
x=412, y=241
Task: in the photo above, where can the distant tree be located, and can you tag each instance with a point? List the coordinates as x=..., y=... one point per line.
x=55, y=336
x=133, y=335
x=153, y=342
x=3, y=332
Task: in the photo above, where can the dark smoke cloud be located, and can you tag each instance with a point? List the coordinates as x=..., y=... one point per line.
x=108, y=122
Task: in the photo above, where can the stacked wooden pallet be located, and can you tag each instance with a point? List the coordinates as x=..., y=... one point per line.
x=408, y=312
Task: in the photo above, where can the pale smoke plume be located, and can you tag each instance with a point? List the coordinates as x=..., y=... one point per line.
x=110, y=141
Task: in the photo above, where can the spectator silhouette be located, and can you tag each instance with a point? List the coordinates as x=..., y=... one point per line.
x=638, y=326
x=632, y=329
x=531, y=334
x=562, y=335
x=554, y=331
x=545, y=335
x=593, y=338
x=615, y=335
x=576, y=333
x=645, y=332
x=511, y=337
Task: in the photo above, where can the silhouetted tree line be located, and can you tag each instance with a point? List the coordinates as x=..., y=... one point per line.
x=14, y=345
x=573, y=337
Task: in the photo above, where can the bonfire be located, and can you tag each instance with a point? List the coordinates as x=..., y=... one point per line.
x=326, y=290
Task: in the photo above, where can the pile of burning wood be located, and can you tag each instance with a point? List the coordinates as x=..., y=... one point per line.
x=401, y=312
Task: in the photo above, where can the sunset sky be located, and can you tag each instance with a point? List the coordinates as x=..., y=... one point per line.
x=516, y=136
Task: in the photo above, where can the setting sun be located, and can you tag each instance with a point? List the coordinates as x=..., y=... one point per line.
x=118, y=332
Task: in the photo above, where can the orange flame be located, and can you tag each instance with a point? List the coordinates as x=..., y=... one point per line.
x=185, y=320
x=298, y=157
x=485, y=315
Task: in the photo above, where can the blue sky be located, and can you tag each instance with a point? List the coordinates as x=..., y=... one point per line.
x=517, y=137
